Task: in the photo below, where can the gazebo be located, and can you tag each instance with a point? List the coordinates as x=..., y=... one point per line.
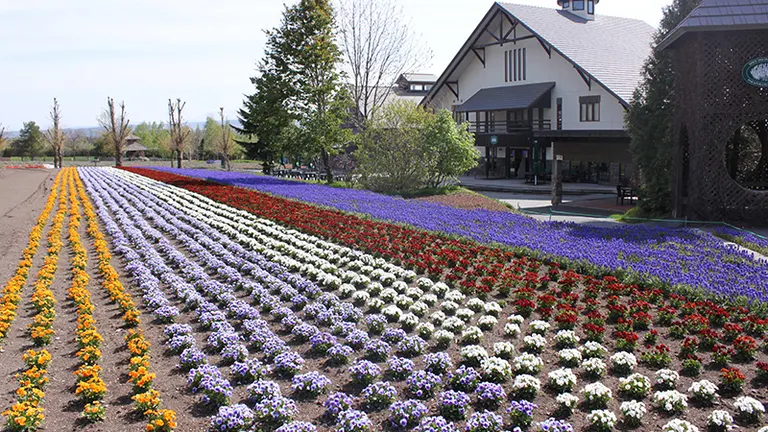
x=133, y=149
x=720, y=54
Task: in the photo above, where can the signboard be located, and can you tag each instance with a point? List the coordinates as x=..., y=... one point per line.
x=494, y=139
x=755, y=72
x=559, y=157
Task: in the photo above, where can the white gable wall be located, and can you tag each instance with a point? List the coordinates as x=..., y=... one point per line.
x=472, y=77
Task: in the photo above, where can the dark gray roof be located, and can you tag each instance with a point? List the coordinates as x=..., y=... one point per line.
x=717, y=15
x=506, y=98
x=610, y=49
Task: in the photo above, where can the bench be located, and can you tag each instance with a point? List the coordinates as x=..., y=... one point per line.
x=624, y=192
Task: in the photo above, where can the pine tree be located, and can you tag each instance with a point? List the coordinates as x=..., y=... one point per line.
x=299, y=84
x=30, y=140
x=650, y=116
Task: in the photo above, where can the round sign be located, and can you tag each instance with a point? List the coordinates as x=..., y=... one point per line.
x=494, y=140
x=755, y=72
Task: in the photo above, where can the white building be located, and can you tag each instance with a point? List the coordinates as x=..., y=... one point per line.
x=535, y=82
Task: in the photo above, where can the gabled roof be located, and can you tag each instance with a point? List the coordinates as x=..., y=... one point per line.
x=717, y=15
x=609, y=50
x=506, y=98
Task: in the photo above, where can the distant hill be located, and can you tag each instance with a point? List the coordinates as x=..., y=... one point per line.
x=96, y=130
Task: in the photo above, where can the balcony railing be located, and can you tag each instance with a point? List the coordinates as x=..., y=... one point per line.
x=509, y=127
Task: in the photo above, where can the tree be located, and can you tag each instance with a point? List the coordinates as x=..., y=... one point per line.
x=650, y=115
x=378, y=45
x=54, y=135
x=225, y=145
x=30, y=140
x=77, y=143
x=117, y=127
x=451, y=148
x=179, y=133
x=155, y=137
x=390, y=153
x=299, y=82
x=3, y=139
x=407, y=147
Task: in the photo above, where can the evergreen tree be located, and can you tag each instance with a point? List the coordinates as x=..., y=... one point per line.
x=30, y=140
x=651, y=114
x=299, y=84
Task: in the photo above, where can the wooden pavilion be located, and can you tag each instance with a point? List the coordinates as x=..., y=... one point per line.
x=133, y=149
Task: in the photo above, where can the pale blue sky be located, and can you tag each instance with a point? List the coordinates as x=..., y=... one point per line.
x=203, y=51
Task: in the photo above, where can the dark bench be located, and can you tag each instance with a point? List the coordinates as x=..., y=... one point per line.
x=625, y=192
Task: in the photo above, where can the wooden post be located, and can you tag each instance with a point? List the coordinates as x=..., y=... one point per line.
x=557, y=181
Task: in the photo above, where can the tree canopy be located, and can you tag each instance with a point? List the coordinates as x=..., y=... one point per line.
x=31, y=141
x=407, y=147
x=650, y=116
x=299, y=104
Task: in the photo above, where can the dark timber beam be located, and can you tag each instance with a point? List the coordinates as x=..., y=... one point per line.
x=546, y=47
x=512, y=28
x=454, y=91
x=587, y=79
x=503, y=41
x=482, y=59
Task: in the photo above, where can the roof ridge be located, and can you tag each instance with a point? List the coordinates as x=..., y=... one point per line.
x=503, y=3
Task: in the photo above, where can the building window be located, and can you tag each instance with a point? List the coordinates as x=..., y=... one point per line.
x=589, y=110
x=578, y=5
x=566, y=4
x=515, y=65
x=591, y=7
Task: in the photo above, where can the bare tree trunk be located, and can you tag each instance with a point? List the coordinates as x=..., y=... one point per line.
x=116, y=127
x=179, y=136
x=54, y=135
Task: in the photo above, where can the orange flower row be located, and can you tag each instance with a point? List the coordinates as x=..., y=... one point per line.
x=146, y=399
x=27, y=414
x=90, y=388
x=11, y=294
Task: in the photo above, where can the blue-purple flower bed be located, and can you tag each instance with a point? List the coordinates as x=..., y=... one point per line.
x=674, y=256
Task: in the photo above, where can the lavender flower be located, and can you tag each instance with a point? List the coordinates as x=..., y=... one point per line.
x=465, y=378
x=297, y=426
x=336, y=403
x=406, y=414
x=435, y=424
x=353, y=421
x=377, y=349
x=340, y=354
x=235, y=418
x=490, y=395
x=400, y=368
x=521, y=413
x=423, y=384
x=438, y=363
x=379, y=395
x=411, y=346
x=555, y=425
x=453, y=404
x=312, y=383
x=275, y=411
x=192, y=357
x=262, y=390
x=364, y=371
x=249, y=370
x=485, y=421
x=288, y=363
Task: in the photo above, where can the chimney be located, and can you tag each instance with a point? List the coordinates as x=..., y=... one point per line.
x=582, y=8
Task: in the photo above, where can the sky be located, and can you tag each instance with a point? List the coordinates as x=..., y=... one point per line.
x=144, y=52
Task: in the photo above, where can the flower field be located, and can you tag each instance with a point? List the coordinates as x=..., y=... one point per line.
x=254, y=312
x=669, y=256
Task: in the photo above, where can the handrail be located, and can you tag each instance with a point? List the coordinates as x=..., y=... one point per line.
x=511, y=126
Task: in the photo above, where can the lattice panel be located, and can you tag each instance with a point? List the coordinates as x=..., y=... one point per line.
x=712, y=100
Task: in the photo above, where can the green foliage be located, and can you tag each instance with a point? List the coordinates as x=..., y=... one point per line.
x=451, y=146
x=650, y=115
x=407, y=147
x=299, y=104
x=155, y=137
x=30, y=141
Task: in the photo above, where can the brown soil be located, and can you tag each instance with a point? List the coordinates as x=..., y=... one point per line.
x=23, y=194
x=469, y=201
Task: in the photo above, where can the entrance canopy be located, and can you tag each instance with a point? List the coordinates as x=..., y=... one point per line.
x=537, y=95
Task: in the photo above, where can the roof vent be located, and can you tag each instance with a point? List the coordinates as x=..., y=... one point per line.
x=582, y=8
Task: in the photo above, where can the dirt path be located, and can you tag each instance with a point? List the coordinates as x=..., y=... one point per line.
x=23, y=194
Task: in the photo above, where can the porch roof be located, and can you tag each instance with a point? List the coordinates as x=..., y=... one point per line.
x=509, y=98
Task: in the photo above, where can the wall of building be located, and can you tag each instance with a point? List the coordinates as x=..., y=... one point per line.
x=473, y=76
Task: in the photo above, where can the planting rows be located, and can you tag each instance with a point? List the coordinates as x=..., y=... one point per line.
x=671, y=256
x=88, y=388
x=302, y=325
